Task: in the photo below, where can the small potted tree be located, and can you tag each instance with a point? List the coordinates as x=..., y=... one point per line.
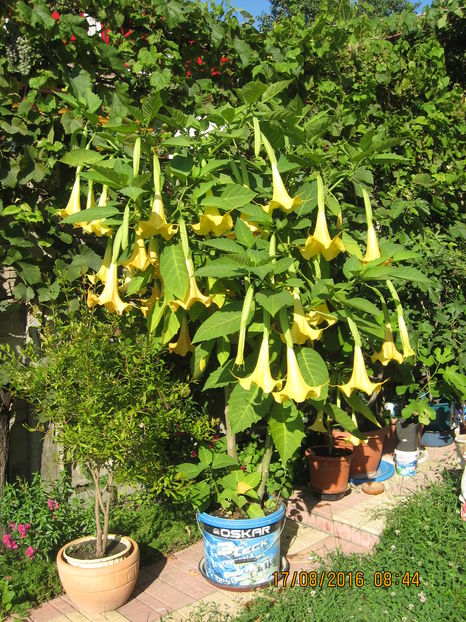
x=92, y=383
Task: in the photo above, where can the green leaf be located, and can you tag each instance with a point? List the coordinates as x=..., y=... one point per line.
x=359, y=406
x=150, y=107
x=221, y=323
x=177, y=141
x=221, y=268
x=287, y=429
x=91, y=214
x=174, y=271
x=79, y=157
x=254, y=510
x=29, y=274
x=155, y=316
x=246, y=407
x=343, y=419
x=205, y=456
x=313, y=368
x=223, y=244
x=407, y=273
x=221, y=377
x=274, y=89
x=171, y=326
x=221, y=461
x=132, y=192
x=233, y=196
x=187, y=470
x=243, y=234
x=273, y=302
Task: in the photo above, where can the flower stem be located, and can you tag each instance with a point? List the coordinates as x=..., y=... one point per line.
x=286, y=328
x=265, y=464
x=354, y=331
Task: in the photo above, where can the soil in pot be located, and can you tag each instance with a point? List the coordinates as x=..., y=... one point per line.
x=329, y=468
x=87, y=549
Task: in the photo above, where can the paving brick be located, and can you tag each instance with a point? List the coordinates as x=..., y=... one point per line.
x=45, y=613
x=136, y=611
x=166, y=598
x=62, y=605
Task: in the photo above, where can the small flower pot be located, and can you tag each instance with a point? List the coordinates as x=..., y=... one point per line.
x=366, y=456
x=329, y=469
x=99, y=585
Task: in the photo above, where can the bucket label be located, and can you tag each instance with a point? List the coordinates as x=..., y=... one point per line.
x=241, y=534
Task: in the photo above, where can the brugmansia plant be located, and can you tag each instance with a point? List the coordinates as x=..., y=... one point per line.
x=232, y=241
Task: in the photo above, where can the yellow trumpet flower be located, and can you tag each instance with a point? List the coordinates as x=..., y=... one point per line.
x=148, y=303
x=372, y=250
x=110, y=297
x=321, y=313
x=183, y=345
x=74, y=203
x=157, y=223
x=252, y=226
x=359, y=378
x=101, y=275
x=388, y=352
x=296, y=387
x=193, y=294
x=213, y=222
x=301, y=331
x=407, y=349
x=318, y=425
x=320, y=243
x=139, y=259
x=280, y=196
x=95, y=226
x=261, y=376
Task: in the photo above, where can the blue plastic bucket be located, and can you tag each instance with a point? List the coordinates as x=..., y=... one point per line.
x=242, y=552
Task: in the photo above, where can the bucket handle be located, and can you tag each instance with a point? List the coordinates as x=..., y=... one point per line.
x=249, y=559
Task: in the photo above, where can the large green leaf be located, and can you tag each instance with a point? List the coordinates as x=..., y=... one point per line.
x=91, y=214
x=359, y=406
x=274, y=89
x=79, y=157
x=174, y=271
x=223, y=322
x=273, y=302
x=313, y=367
x=343, y=419
x=221, y=377
x=233, y=196
x=287, y=429
x=246, y=407
x=221, y=268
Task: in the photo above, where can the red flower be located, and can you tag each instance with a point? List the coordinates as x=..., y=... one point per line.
x=104, y=34
x=243, y=468
x=187, y=63
x=73, y=38
x=199, y=61
x=215, y=72
x=188, y=74
x=194, y=453
x=224, y=60
x=191, y=42
x=56, y=15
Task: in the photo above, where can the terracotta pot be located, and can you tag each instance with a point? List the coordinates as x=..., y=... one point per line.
x=366, y=456
x=329, y=474
x=99, y=589
x=389, y=443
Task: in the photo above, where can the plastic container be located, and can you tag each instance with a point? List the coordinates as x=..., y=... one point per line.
x=406, y=462
x=241, y=553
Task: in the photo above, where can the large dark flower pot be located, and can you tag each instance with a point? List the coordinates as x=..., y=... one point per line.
x=329, y=470
x=408, y=433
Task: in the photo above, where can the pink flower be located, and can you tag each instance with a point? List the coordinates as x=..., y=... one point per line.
x=56, y=505
x=30, y=552
x=28, y=525
x=243, y=468
x=194, y=453
x=51, y=504
x=22, y=530
x=14, y=545
x=7, y=540
x=12, y=526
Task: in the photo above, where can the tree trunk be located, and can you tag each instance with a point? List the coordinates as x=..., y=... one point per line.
x=5, y=409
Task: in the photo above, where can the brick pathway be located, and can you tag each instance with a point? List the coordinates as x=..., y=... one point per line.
x=174, y=586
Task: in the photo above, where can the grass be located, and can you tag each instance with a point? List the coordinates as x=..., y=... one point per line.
x=424, y=534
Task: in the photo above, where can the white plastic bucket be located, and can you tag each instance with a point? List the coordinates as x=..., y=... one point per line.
x=406, y=462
